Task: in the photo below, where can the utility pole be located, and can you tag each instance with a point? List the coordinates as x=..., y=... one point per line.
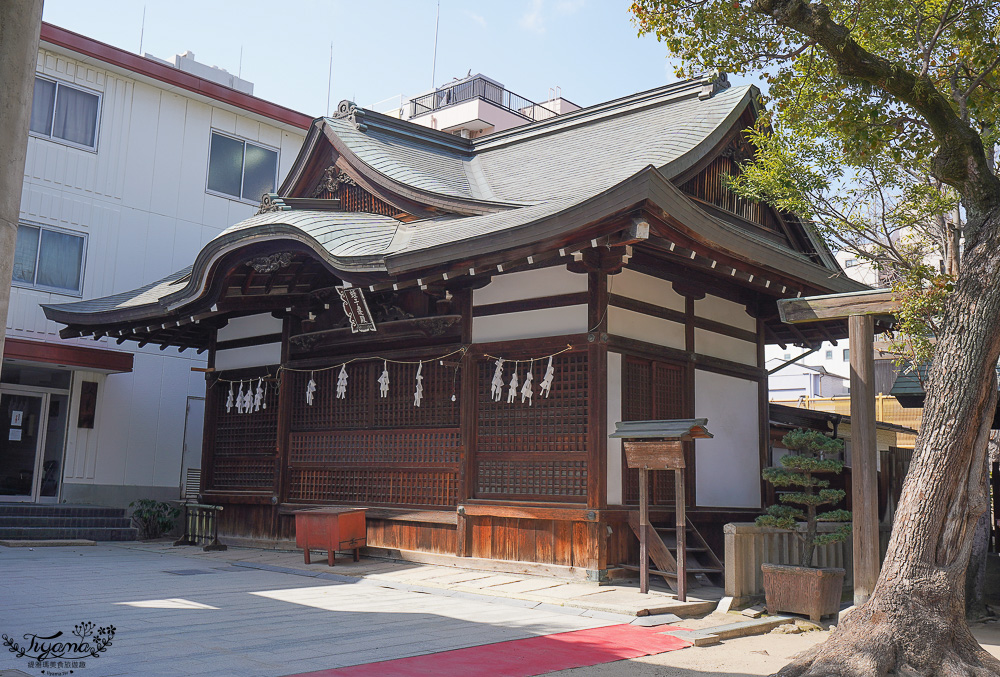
x=20, y=25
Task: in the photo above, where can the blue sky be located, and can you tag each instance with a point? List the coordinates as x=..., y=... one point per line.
x=384, y=48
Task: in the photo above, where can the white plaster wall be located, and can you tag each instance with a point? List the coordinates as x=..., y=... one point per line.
x=530, y=284
x=530, y=324
x=614, y=416
x=642, y=287
x=250, y=356
x=729, y=348
x=141, y=200
x=726, y=312
x=630, y=324
x=261, y=324
x=728, y=466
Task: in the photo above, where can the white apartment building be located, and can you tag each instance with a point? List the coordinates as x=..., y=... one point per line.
x=133, y=164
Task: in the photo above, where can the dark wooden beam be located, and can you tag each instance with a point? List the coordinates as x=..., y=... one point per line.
x=837, y=306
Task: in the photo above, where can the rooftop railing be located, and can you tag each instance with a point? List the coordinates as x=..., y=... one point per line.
x=479, y=88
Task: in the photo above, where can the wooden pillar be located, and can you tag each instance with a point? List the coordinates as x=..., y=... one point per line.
x=864, y=456
x=282, y=479
x=643, y=530
x=681, y=522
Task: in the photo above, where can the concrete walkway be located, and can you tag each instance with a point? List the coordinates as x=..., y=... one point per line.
x=616, y=600
x=177, y=612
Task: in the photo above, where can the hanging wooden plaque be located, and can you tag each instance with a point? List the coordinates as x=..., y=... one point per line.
x=356, y=309
x=654, y=454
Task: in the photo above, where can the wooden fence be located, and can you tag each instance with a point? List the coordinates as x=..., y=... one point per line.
x=748, y=546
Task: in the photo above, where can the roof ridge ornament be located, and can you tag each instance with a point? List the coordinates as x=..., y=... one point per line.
x=348, y=110
x=712, y=82
x=271, y=202
x=331, y=179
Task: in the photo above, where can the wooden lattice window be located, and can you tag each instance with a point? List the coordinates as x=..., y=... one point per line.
x=710, y=186
x=363, y=407
x=651, y=391
x=245, y=445
x=369, y=450
x=354, y=198
x=539, y=451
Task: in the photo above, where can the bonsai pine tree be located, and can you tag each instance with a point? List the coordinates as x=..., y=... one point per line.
x=813, y=453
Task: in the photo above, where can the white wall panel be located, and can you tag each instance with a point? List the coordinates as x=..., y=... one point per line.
x=728, y=348
x=530, y=284
x=530, y=324
x=614, y=416
x=141, y=147
x=194, y=162
x=169, y=151
x=726, y=312
x=630, y=324
x=249, y=326
x=251, y=356
x=642, y=287
x=727, y=466
x=166, y=461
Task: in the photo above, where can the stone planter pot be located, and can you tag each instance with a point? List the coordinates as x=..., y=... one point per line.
x=802, y=590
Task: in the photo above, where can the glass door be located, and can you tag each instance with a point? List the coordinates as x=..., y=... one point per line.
x=22, y=439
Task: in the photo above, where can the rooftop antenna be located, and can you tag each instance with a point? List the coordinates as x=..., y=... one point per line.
x=329, y=81
x=142, y=30
x=239, y=74
x=437, y=22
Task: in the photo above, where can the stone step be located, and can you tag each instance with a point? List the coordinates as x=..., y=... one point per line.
x=36, y=510
x=48, y=533
x=22, y=521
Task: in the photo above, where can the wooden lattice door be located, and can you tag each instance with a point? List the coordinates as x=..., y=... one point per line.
x=652, y=390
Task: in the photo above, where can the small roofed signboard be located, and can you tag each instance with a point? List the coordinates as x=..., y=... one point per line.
x=356, y=309
x=657, y=445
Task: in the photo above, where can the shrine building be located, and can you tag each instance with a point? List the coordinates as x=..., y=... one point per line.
x=446, y=329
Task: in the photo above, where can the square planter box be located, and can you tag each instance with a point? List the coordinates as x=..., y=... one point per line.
x=802, y=590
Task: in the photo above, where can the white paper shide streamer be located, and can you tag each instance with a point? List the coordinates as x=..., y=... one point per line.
x=526, y=393
x=546, y=385
x=496, y=389
x=310, y=390
x=512, y=393
x=342, y=382
x=229, y=400
x=418, y=394
x=384, y=380
x=258, y=398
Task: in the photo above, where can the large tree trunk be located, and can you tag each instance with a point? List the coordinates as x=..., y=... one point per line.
x=914, y=623
x=20, y=23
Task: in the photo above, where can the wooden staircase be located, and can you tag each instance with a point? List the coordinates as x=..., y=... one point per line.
x=703, y=567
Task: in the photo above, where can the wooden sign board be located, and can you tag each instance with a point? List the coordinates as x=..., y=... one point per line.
x=654, y=454
x=356, y=309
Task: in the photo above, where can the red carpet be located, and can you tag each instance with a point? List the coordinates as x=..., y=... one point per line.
x=524, y=657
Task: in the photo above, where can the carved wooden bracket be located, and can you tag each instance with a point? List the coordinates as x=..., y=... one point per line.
x=271, y=263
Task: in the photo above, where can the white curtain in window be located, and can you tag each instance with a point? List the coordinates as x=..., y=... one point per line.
x=76, y=116
x=60, y=260
x=41, y=107
x=25, y=254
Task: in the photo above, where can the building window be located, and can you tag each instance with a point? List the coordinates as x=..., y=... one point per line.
x=850, y=263
x=847, y=354
x=64, y=113
x=49, y=259
x=241, y=169
x=788, y=356
x=829, y=354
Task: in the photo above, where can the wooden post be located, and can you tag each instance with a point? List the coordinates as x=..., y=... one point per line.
x=643, y=530
x=864, y=455
x=681, y=522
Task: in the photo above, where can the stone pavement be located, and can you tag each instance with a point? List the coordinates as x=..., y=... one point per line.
x=178, y=612
x=619, y=600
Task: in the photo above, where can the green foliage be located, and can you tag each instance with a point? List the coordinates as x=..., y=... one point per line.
x=153, y=518
x=812, y=445
x=810, y=455
x=863, y=147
